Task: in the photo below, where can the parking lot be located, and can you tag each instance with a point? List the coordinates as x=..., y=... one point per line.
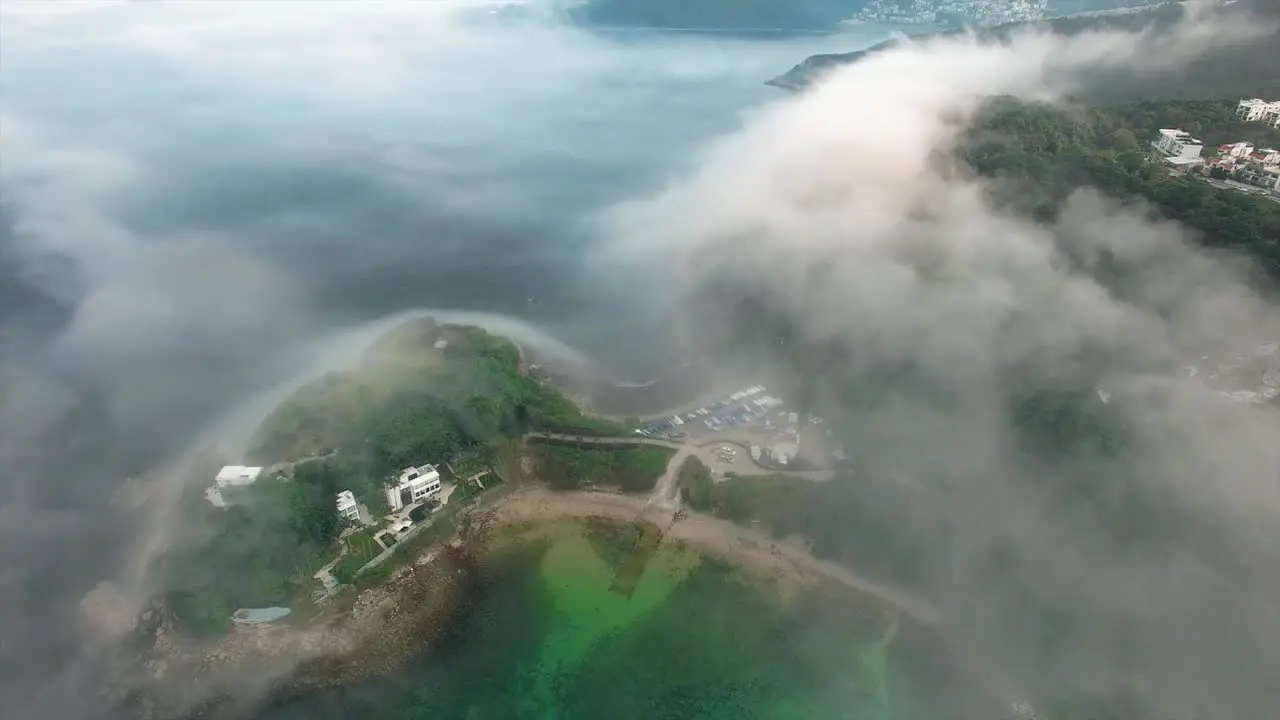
x=725, y=431
x=743, y=407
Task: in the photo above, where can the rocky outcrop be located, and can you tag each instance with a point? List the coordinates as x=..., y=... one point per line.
x=354, y=638
x=815, y=66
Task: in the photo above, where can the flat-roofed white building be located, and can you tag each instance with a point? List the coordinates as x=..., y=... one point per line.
x=1177, y=144
x=237, y=475
x=415, y=484
x=230, y=476
x=1259, y=110
x=348, y=508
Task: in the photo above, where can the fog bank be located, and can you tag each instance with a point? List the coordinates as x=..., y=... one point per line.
x=835, y=242
x=198, y=200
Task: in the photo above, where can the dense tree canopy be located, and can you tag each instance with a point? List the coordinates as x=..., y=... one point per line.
x=260, y=551
x=627, y=467
x=426, y=394
x=1042, y=153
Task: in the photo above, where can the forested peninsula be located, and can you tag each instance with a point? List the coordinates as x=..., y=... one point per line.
x=451, y=396
x=1245, y=67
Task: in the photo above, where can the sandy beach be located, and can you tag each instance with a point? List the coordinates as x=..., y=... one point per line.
x=785, y=561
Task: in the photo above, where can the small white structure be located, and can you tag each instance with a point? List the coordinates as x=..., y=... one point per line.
x=783, y=452
x=229, y=477
x=420, y=482
x=1177, y=144
x=237, y=475
x=348, y=508
x=1259, y=110
x=214, y=495
x=755, y=452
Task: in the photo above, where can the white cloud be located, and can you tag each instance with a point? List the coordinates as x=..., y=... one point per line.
x=841, y=213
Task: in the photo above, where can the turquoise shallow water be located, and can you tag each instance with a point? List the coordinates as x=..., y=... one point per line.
x=553, y=633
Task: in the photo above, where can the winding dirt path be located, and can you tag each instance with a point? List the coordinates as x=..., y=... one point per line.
x=666, y=491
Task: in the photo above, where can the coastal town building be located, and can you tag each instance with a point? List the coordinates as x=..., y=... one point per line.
x=1246, y=152
x=1265, y=176
x=951, y=13
x=415, y=484
x=227, y=480
x=1266, y=156
x=1248, y=165
x=1235, y=150
x=1174, y=143
x=348, y=508
x=1259, y=110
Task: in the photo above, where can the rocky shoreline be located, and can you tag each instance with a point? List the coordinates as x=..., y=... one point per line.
x=370, y=633
x=356, y=637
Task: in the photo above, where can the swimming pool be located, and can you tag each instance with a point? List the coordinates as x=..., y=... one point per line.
x=255, y=616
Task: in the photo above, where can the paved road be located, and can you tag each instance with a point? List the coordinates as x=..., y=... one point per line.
x=594, y=440
x=703, y=448
x=666, y=492
x=1243, y=188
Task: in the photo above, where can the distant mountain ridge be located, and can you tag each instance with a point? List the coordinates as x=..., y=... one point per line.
x=742, y=15
x=785, y=15
x=1245, y=69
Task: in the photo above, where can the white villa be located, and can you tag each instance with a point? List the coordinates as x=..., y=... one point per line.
x=229, y=477
x=1173, y=143
x=416, y=484
x=348, y=508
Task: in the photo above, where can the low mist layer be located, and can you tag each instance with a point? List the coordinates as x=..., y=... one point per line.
x=216, y=194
